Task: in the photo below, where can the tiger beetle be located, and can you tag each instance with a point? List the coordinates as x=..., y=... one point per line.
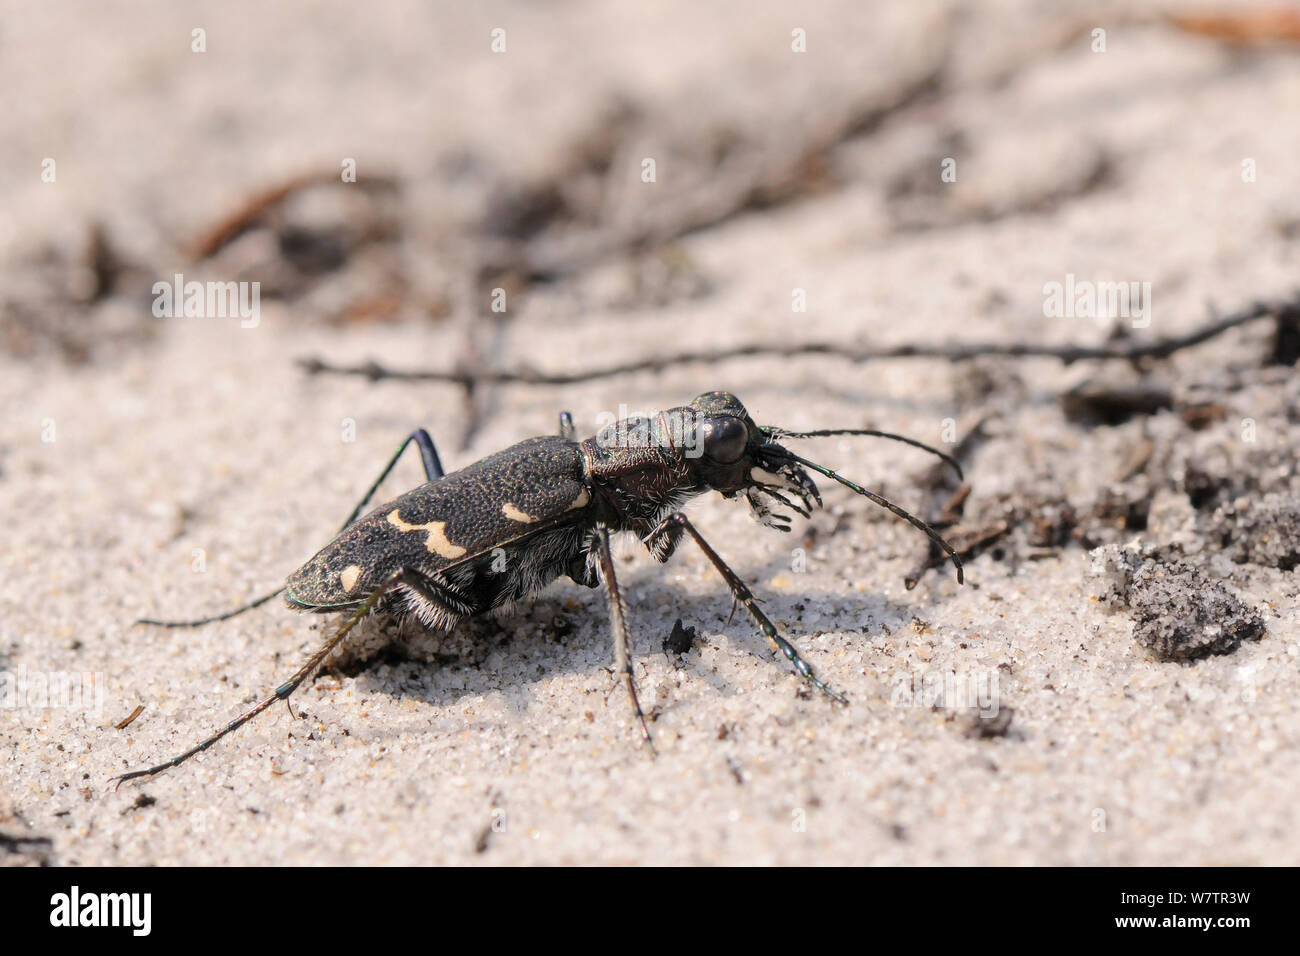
x=505, y=527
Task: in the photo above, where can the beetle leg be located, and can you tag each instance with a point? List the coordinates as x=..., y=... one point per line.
x=567, y=431
x=282, y=692
x=428, y=455
x=198, y=622
x=746, y=597
x=434, y=601
x=618, y=623
x=581, y=571
x=432, y=470
x=663, y=540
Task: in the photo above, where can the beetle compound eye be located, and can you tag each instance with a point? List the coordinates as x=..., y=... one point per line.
x=724, y=439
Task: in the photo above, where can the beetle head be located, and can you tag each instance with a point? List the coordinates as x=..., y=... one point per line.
x=735, y=456
x=731, y=454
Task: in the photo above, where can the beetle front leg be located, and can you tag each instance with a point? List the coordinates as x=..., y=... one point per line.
x=741, y=593
x=663, y=539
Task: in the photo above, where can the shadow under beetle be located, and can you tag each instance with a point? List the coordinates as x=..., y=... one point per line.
x=508, y=525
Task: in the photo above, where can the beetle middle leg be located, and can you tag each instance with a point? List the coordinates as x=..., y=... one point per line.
x=432, y=470
x=581, y=572
x=618, y=623
x=665, y=538
x=435, y=601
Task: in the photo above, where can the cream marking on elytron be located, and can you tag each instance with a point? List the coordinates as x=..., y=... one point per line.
x=437, y=541
x=581, y=501
x=350, y=574
x=514, y=514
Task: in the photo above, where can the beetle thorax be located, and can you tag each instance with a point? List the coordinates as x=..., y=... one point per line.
x=639, y=484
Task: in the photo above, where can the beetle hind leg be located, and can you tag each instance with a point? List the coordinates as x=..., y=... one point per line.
x=434, y=601
x=283, y=692
x=432, y=471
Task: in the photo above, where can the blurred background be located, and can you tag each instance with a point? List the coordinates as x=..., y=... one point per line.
x=505, y=147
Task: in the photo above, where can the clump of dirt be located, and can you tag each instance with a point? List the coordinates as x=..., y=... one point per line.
x=66, y=295
x=1264, y=531
x=681, y=640
x=1210, y=468
x=1052, y=524
x=1179, y=613
x=979, y=726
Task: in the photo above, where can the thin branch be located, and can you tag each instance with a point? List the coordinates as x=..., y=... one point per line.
x=255, y=207
x=953, y=352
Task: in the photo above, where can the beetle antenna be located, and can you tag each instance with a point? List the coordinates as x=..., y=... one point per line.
x=884, y=503
x=199, y=622
x=773, y=432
